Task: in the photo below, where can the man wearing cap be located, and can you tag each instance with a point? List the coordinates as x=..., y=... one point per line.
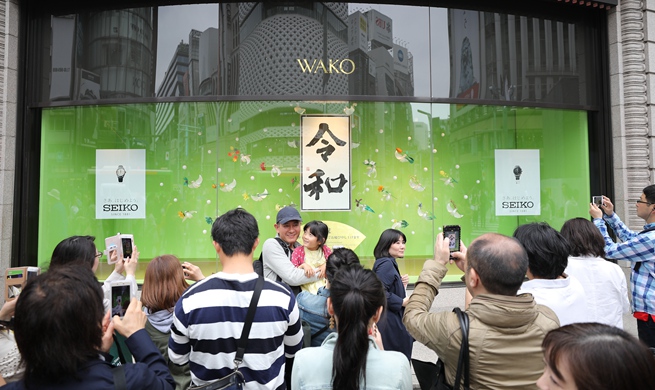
x=276, y=253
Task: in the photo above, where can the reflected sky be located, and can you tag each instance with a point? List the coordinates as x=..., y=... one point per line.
x=175, y=23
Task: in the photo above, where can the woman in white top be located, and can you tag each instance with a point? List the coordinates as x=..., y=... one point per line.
x=604, y=282
x=350, y=359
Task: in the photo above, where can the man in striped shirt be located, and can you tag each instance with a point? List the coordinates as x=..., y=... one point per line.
x=639, y=249
x=209, y=316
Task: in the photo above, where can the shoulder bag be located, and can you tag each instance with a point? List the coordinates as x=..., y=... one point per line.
x=433, y=376
x=235, y=380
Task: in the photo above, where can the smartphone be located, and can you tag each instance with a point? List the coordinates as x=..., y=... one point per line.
x=121, y=293
x=113, y=244
x=597, y=200
x=453, y=232
x=16, y=278
x=127, y=242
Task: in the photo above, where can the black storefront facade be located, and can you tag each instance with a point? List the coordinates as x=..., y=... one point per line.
x=210, y=107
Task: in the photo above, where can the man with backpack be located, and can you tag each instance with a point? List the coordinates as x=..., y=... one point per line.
x=276, y=252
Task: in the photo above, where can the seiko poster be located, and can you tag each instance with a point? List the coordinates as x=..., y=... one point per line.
x=120, y=183
x=325, y=162
x=518, y=182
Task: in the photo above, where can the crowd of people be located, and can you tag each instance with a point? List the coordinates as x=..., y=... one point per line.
x=544, y=310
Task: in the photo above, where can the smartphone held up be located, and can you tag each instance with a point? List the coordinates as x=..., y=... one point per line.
x=453, y=233
x=122, y=244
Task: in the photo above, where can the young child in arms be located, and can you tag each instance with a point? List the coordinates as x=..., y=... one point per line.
x=312, y=255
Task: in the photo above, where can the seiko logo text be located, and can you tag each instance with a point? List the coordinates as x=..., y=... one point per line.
x=119, y=207
x=345, y=66
x=518, y=205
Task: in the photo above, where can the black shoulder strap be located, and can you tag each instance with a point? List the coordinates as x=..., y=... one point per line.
x=250, y=316
x=463, y=361
x=638, y=265
x=119, y=377
x=284, y=245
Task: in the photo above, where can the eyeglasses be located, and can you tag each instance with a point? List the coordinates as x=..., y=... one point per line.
x=99, y=255
x=641, y=201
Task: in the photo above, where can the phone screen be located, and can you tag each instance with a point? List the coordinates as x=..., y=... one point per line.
x=120, y=299
x=453, y=234
x=127, y=247
x=597, y=200
x=31, y=274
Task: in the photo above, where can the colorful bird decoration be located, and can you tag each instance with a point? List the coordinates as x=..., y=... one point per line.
x=452, y=209
x=186, y=214
x=399, y=224
x=245, y=158
x=350, y=110
x=262, y=166
x=275, y=170
x=228, y=187
x=234, y=153
x=415, y=184
x=293, y=143
x=362, y=206
x=386, y=195
x=370, y=168
x=447, y=180
x=299, y=110
x=214, y=186
x=209, y=220
x=195, y=183
x=403, y=157
x=258, y=197
x=425, y=214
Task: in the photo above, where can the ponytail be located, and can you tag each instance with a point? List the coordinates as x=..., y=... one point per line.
x=356, y=294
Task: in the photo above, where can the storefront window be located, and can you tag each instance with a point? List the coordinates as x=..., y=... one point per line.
x=414, y=166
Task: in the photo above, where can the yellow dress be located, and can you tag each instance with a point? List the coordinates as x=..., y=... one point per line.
x=314, y=259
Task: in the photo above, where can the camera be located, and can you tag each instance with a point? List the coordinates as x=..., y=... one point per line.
x=15, y=279
x=597, y=200
x=453, y=232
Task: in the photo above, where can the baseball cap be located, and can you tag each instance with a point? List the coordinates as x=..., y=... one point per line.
x=287, y=214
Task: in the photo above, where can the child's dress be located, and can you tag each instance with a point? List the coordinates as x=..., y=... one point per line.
x=315, y=259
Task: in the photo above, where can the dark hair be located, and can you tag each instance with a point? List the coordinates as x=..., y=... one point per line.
x=236, y=232
x=600, y=357
x=163, y=284
x=649, y=193
x=318, y=229
x=500, y=261
x=356, y=294
x=58, y=323
x=387, y=238
x=548, y=251
x=75, y=249
x=340, y=257
x=583, y=237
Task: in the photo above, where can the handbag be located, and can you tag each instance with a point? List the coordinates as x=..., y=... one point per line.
x=235, y=379
x=432, y=376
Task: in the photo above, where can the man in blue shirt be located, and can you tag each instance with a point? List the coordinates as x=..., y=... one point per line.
x=639, y=249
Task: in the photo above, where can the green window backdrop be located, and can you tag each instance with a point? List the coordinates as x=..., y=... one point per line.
x=452, y=147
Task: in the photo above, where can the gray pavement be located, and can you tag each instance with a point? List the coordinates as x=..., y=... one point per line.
x=449, y=297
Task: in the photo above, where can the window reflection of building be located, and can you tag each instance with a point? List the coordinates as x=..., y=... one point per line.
x=508, y=57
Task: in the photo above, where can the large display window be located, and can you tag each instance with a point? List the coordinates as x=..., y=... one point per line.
x=413, y=166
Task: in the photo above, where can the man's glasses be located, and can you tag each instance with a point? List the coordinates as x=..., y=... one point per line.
x=644, y=202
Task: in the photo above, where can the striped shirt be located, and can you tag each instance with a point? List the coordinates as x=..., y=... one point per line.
x=636, y=248
x=207, y=325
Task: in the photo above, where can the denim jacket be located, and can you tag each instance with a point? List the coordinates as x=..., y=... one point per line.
x=313, y=310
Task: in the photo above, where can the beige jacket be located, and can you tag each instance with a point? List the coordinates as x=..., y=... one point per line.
x=505, y=333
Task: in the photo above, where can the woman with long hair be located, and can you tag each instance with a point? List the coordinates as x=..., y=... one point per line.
x=592, y=356
x=391, y=246
x=604, y=283
x=163, y=284
x=350, y=358
x=313, y=307
x=11, y=368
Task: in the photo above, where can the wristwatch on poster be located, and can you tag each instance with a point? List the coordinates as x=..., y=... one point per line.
x=120, y=173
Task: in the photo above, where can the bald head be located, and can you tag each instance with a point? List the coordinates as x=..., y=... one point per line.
x=500, y=261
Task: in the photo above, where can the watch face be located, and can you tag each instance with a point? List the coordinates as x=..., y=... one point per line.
x=120, y=173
